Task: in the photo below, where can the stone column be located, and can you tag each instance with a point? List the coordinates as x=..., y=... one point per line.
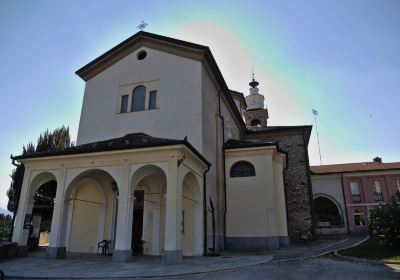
x=57, y=249
x=145, y=221
x=20, y=235
x=173, y=206
x=123, y=235
x=155, y=238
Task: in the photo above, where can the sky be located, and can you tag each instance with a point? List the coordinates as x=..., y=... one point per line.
x=338, y=57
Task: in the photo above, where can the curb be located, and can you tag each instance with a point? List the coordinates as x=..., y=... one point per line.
x=376, y=262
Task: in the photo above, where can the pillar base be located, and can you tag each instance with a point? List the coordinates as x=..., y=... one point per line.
x=122, y=256
x=22, y=251
x=172, y=257
x=54, y=253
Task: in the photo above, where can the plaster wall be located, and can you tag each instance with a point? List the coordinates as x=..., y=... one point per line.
x=256, y=205
x=330, y=186
x=178, y=84
x=215, y=130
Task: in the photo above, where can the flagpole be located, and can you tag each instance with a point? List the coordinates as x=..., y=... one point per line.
x=315, y=112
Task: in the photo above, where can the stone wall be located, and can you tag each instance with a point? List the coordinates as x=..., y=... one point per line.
x=297, y=177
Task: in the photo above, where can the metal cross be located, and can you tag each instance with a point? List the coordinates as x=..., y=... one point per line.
x=142, y=25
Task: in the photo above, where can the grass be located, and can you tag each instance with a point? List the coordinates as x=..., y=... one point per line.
x=372, y=249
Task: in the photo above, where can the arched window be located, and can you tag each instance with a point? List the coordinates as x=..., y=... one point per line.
x=242, y=169
x=359, y=218
x=138, y=99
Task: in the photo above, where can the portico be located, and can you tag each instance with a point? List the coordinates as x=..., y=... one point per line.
x=95, y=198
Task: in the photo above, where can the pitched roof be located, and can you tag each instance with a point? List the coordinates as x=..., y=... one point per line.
x=306, y=130
x=129, y=141
x=124, y=48
x=354, y=167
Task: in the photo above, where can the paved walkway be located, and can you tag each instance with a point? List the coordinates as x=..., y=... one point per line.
x=91, y=266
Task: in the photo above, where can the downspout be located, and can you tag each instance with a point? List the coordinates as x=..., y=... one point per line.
x=205, y=251
x=344, y=200
x=309, y=185
x=18, y=192
x=223, y=165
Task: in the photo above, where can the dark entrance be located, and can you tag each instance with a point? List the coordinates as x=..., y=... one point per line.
x=137, y=225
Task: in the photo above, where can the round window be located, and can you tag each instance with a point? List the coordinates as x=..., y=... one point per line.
x=141, y=55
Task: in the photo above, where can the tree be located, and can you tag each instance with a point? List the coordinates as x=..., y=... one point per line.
x=47, y=141
x=385, y=222
x=5, y=225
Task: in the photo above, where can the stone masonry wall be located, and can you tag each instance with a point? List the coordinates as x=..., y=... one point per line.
x=297, y=180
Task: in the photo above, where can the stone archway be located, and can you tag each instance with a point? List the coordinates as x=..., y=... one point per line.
x=90, y=217
x=191, y=221
x=147, y=191
x=328, y=212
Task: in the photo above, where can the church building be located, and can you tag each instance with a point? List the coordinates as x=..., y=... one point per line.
x=169, y=161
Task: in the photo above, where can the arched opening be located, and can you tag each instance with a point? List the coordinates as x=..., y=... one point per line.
x=327, y=213
x=39, y=211
x=255, y=122
x=92, y=205
x=191, y=216
x=359, y=218
x=148, y=188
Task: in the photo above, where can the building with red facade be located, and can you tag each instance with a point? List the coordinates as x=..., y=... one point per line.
x=354, y=188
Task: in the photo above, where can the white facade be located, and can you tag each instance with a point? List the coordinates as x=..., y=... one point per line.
x=173, y=186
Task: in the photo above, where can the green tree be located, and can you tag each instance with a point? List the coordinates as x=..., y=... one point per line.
x=5, y=225
x=47, y=141
x=385, y=222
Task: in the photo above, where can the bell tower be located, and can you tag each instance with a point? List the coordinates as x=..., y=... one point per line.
x=256, y=114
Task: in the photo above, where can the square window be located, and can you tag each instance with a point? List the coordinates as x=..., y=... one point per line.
x=124, y=103
x=153, y=100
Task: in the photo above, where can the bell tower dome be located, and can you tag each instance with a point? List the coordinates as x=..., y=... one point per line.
x=256, y=114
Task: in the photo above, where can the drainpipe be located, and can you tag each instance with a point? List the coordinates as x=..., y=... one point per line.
x=223, y=165
x=205, y=251
x=344, y=200
x=18, y=192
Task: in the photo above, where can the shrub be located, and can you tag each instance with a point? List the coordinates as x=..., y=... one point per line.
x=385, y=222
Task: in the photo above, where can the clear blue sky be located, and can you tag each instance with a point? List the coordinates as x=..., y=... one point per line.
x=340, y=57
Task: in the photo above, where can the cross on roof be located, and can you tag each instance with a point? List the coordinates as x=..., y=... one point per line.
x=142, y=25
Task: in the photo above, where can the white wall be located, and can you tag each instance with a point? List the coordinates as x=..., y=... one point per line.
x=178, y=84
x=330, y=186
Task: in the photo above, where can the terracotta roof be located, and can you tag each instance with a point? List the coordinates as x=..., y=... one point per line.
x=129, y=141
x=354, y=167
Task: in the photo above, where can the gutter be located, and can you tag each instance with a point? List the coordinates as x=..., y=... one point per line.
x=344, y=200
x=223, y=165
x=205, y=251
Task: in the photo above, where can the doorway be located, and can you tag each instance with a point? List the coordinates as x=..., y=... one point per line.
x=137, y=225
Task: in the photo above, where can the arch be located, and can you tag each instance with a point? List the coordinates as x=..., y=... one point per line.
x=147, y=208
x=242, y=169
x=138, y=98
x=255, y=122
x=86, y=173
x=38, y=181
x=191, y=215
x=90, y=210
x=327, y=210
x=143, y=172
x=41, y=218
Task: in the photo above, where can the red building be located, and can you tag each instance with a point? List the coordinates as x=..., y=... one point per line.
x=364, y=186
